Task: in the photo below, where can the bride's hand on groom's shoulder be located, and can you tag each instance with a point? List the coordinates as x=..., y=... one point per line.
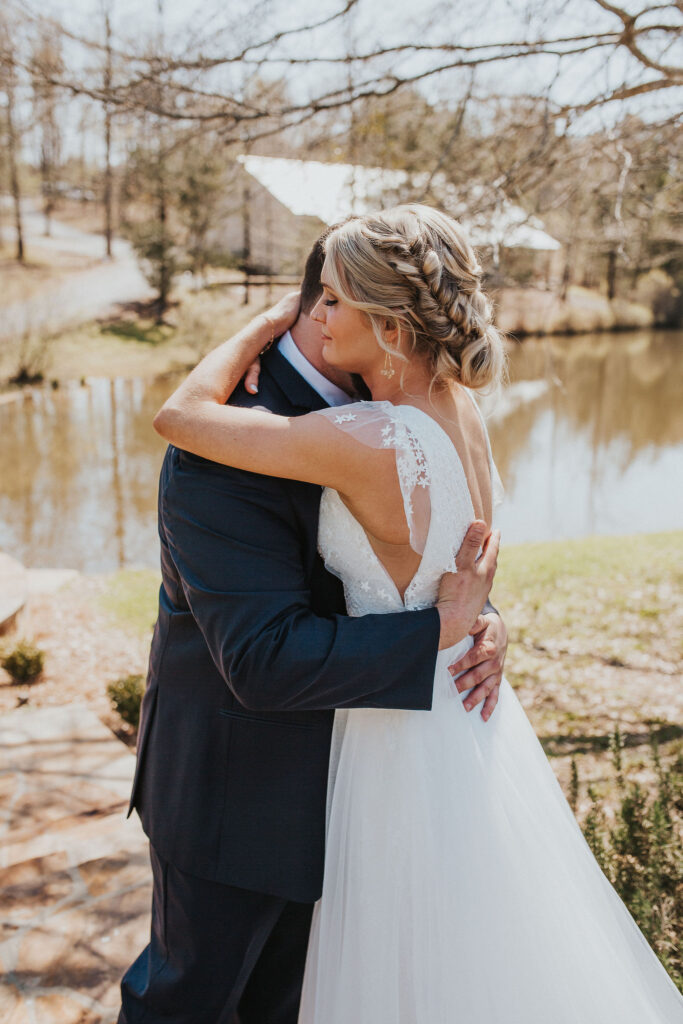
x=286, y=311
x=280, y=317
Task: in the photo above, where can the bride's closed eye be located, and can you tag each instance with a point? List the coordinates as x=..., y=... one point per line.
x=329, y=302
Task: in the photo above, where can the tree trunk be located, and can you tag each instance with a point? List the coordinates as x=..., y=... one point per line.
x=611, y=273
x=246, y=239
x=107, y=142
x=14, y=173
x=566, y=272
x=164, y=268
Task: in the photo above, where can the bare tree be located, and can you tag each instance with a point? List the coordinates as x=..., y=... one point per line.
x=8, y=85
x=46, y=68
x=365, y=101
x=199, y=183
x=107, y=80
x=642, y=41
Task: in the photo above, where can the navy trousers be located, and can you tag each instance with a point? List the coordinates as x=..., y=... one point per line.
x=217, y=955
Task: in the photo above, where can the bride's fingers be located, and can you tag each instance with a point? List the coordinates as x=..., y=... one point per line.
x=286, y=310
x=251, y=377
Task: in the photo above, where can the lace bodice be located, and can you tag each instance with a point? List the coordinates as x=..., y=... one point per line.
x=428, y=466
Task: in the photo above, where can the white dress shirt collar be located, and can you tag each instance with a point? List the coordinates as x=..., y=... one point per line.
x=324, y=387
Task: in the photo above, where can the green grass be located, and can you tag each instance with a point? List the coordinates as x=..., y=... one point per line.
x=605, y=560
x=612, y=599
x=563, y=584
x=135, y=346
x=144, y=331
x=131, y=597
x=587, y=650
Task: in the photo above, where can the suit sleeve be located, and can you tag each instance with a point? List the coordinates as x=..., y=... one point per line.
x=235, y=542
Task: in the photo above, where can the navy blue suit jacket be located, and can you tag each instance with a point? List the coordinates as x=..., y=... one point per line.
x=251, y=653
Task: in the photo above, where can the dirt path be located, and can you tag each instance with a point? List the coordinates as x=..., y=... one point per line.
x=85, y=648
x=75, y=295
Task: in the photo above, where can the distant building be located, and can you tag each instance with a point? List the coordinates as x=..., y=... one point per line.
x=279, y=206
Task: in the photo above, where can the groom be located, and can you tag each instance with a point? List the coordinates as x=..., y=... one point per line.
x=251, y=653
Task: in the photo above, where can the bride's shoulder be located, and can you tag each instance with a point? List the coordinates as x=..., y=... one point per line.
x=356, y=410
x=377, y=424
x=361, y=414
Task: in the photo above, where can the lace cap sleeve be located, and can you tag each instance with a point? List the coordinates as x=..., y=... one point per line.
x=379, y=425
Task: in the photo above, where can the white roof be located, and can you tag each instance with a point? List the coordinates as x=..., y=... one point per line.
x=331, y=192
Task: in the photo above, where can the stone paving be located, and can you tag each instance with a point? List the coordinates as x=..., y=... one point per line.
x=75, y=884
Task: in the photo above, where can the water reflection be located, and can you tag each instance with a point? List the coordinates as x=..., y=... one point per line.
x=79, y=475
x=589, y=439
x=600, y=450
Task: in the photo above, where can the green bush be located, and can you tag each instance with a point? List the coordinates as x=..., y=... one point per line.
x=126, y=697
x=24, y=662
x=641, y=853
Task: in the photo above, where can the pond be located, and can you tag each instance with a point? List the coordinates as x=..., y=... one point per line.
x=588, y=438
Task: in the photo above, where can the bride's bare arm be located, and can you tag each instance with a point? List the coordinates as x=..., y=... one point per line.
x=196, y=419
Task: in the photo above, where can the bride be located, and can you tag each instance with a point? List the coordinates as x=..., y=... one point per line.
x=458, y=886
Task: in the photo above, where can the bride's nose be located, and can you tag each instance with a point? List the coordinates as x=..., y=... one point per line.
x=318, y=311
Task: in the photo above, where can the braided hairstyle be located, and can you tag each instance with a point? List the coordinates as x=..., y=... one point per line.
x=412, y=266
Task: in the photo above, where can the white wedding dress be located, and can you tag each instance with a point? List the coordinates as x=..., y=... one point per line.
x=458, y=887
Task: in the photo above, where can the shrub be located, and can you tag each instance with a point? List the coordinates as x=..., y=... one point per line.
x=30, y=356
x=126, y=696
x=642, y=853
x=24, y=662
x=658, y=291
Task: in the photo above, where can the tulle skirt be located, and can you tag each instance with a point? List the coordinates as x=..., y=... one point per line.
x=459, y=888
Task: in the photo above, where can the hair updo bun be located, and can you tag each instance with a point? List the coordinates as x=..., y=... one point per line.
x=413, y=265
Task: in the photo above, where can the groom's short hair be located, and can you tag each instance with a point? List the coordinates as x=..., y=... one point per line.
x=311, y=287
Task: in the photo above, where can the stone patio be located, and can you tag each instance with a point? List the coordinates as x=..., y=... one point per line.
x=75, y=884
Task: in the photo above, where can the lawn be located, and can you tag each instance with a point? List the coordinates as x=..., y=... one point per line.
x=596, y=639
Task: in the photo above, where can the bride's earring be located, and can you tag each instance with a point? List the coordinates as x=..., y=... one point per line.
x=388, y=370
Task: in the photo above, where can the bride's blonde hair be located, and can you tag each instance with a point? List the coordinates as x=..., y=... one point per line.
x=413, y=267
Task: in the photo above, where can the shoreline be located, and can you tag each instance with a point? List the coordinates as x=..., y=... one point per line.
x=139, y=360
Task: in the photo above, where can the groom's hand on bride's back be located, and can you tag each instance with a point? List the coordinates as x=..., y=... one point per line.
x=480, y=671
x=462, y=596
